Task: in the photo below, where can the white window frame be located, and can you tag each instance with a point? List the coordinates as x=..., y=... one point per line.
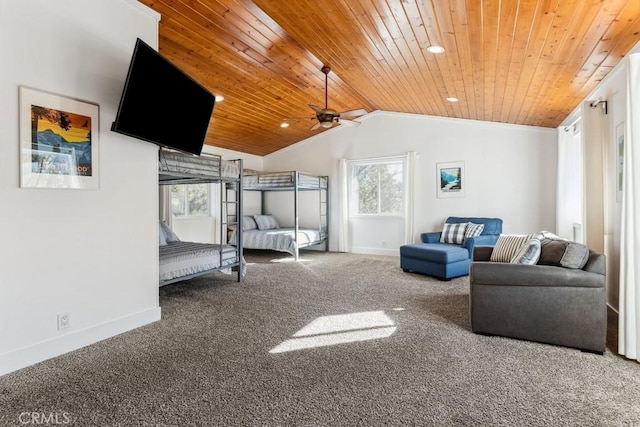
x=187, y=213
x=352, y=198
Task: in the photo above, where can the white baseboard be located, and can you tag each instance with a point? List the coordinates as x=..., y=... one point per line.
x=375, y=251
x=44, y=350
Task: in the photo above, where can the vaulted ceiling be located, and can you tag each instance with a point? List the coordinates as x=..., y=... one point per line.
x=526, y=62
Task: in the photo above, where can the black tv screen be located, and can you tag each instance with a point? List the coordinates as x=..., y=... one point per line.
x=162, y=104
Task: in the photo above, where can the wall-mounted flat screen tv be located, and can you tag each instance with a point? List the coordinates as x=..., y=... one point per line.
x=162, y=104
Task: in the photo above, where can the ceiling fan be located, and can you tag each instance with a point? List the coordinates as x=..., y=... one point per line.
x=326, y=116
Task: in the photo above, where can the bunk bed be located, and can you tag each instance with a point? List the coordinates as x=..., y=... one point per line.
x=267, y=233
x=183, y=260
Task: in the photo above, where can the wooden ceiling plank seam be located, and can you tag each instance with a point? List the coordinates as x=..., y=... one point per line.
x=407, y=42
x=411, y=33
x=491, y=13
x=589, y=20
x=394, y=88
x=186, y=62
x=392, y=58
x=543, y=19
x=474, y=37
x=298, y=36
x=521, y=29
x=505, y=36
x=439, y=27
x=460, y=23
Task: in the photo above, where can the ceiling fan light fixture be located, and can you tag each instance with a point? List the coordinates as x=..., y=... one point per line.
x=326, y=124
x=434, y=48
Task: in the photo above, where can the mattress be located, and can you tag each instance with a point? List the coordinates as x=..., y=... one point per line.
x=206, y=167
x=280, y=239
x=179, y=259
x=276, y=180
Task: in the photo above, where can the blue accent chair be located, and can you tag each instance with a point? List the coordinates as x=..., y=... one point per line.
x=446, y=260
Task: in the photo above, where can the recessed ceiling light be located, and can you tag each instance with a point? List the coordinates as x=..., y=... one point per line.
x=434, y=48
x=219, y=98
x=284, y=125
x=452, y=99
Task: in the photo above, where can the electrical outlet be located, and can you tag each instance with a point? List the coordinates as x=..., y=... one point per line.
x=64, y=321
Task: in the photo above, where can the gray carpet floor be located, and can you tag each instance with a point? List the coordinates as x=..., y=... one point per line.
x=209, y=360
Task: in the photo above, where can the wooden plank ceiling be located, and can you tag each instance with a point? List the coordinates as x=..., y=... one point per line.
x=527, y=62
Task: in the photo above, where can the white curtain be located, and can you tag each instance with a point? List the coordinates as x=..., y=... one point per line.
x=343, y=206
x=569, y=201
x=412, y=158
x=595, y=143
x=165, y=205
x=629, y=304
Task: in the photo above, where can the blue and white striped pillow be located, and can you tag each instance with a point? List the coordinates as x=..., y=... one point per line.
x=473, y=230
x=453, y=233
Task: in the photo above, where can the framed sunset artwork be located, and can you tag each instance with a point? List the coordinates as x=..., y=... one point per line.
x=59, y=145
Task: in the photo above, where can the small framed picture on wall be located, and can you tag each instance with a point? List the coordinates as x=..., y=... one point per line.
x=450, y=178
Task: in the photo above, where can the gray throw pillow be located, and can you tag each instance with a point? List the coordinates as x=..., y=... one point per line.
x=563, y=253
x=575, y=255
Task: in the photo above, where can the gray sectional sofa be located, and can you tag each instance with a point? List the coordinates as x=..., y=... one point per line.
x=544, y=303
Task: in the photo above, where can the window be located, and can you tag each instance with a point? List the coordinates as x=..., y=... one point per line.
x=190, y=200
x=377, y=187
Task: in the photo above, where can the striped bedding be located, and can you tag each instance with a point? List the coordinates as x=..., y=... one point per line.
x=279, y=239
x=179, y=259
x=282, y=179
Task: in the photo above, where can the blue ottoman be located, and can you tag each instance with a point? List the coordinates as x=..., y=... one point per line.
x=442, y=260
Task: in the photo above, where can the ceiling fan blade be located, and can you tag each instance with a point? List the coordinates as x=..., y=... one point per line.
x=315, y=108
x=348, y=122
x=354, y=113
x=316, y=126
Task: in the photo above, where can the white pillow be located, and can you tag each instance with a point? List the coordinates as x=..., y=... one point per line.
x=248, y=223
x=528, y=254
x=266, y=222
x=453, y=233
x=169, y=234
x=163, y=238
x=507, y=246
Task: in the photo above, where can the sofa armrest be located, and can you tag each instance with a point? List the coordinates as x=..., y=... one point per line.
x=431, y=237
x=482, y=253
x=486, y=240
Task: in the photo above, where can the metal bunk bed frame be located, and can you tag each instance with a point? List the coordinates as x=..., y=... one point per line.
x=201, y=172
x=312, y=182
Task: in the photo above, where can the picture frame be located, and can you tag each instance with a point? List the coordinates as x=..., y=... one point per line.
x=451, y=179
x=59, y=141
x=619, y=160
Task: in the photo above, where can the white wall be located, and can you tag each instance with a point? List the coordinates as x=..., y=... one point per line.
x=510, y=169
x=90, y=253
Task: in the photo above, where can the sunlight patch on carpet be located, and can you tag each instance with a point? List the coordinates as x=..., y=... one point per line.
x=339, y=329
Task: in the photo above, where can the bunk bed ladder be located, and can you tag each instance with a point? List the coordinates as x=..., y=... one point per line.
x=323, y=208
x=232, y=209
x=295, y=212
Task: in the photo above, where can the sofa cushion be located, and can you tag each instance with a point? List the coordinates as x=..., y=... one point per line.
x=473, y=230
x=507, y=246
x=453, y=233
x=529, y=253
x=563, y=253
x=441, y=253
